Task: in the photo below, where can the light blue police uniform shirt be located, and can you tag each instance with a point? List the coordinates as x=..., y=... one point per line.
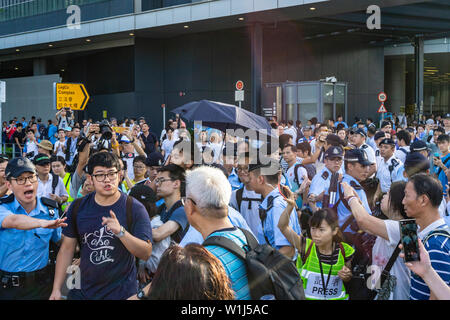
x=319, y=184
x=343, y=212
x=233, y=179
x=194, y=236
x=386, y=176
x=271, y=231
x=26, y=250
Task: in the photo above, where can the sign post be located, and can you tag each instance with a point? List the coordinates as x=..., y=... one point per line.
x=382, y=97
x=2, y=100
x=71, y=95
x=239, y=93
x=163, y=106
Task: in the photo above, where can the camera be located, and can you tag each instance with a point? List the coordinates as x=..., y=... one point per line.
x=105, y=130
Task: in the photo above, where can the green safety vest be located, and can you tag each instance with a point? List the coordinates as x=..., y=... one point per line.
x=67, y=182
x=312, y=279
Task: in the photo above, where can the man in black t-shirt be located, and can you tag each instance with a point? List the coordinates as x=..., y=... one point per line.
x=18, y=137
x=149, y=139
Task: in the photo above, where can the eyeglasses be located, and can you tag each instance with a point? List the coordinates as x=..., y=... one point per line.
x=23, y=180
x=242, y=169
x=184, y=201
x=161, y=180
x=139, y=167
x=102, y=176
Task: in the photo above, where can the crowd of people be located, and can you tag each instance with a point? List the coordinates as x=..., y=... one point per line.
x=132, y=209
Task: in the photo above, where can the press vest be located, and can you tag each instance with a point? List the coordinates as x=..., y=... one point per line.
x=312, y=279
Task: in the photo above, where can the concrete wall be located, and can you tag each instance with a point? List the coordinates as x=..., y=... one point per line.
x=287, y=57
x=29, y=96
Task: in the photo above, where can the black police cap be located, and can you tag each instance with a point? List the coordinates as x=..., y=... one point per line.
x=17, y=166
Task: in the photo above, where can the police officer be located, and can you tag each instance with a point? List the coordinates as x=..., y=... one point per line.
x=358, y=139
x=27, y=225
x=357, y=164
x=320, y=184
x=264, y=179
x=389, y=167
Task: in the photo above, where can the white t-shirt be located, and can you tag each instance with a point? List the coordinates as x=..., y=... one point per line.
x=58, y=148
x=381, y=253
x=167, y=146
x=301, y=173
x=45, y=188
x=158, y=248
x=32, y=147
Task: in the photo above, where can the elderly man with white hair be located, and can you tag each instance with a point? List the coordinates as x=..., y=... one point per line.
x=208, y=193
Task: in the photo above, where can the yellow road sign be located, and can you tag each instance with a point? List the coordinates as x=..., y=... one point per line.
x=71, y=95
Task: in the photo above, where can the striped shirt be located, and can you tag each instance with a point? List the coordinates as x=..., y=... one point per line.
x=234, y=266
x=438, y=248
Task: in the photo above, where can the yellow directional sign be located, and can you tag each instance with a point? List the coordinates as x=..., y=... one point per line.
x=71, y=95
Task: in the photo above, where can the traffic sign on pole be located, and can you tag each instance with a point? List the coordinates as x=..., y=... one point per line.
x=71, y=95
x=382, y=109
x=240, y=85
x=382, y=97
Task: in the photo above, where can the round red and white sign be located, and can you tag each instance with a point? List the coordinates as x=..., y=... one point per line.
x=382, y=97
x=239, y=85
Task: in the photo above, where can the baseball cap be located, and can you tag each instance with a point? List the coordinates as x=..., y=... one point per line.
x=269, y=162
x=334, y=139
x=124, y=139
x=154, y=159
x=387, y=141
x=143, y=193
x=17, y=166
x=41, y=159
x=67, y=129
x=418, y=145
x=360, y=131
x=416, y=161
x=379, y=134
x=334, y=152
x=357, y=155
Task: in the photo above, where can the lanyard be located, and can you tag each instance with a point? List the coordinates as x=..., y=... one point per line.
x=325, y=286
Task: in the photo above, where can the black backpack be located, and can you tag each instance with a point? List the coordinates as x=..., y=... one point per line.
x=269, y=272
x=240, y=198
x=310, y=170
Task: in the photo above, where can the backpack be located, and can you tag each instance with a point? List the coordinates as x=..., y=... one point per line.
x=445, y=164
x=55, y=181
x=68, y=145
x=43, y=131
x=76, y=205
x=239, y=199
x=310, y=170
x=269, y=272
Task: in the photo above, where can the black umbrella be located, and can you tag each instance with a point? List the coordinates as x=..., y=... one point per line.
x=223, y=116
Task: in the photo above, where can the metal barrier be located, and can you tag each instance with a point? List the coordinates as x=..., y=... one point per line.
x=11, y=150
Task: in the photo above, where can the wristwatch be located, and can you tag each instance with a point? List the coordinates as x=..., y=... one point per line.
x=121, y=233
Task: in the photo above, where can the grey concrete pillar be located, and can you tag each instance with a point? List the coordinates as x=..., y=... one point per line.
x=419, y=64
x=39, y=67
x=257, y=65
x=395, y=85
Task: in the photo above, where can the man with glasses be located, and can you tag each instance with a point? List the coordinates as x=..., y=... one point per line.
x=130, y=149
x=170, y=182
x=4, y=191
x=27, y=225
x=389, y=167
x=139, y=172
x=245, y=200
x=111, y=230
x=320, y=184
x=358, y=139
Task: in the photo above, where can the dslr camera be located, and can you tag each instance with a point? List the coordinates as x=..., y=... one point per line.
x=105, y=130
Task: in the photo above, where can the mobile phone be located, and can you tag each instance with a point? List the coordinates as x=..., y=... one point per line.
x=409, y=239
x=281, y=189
